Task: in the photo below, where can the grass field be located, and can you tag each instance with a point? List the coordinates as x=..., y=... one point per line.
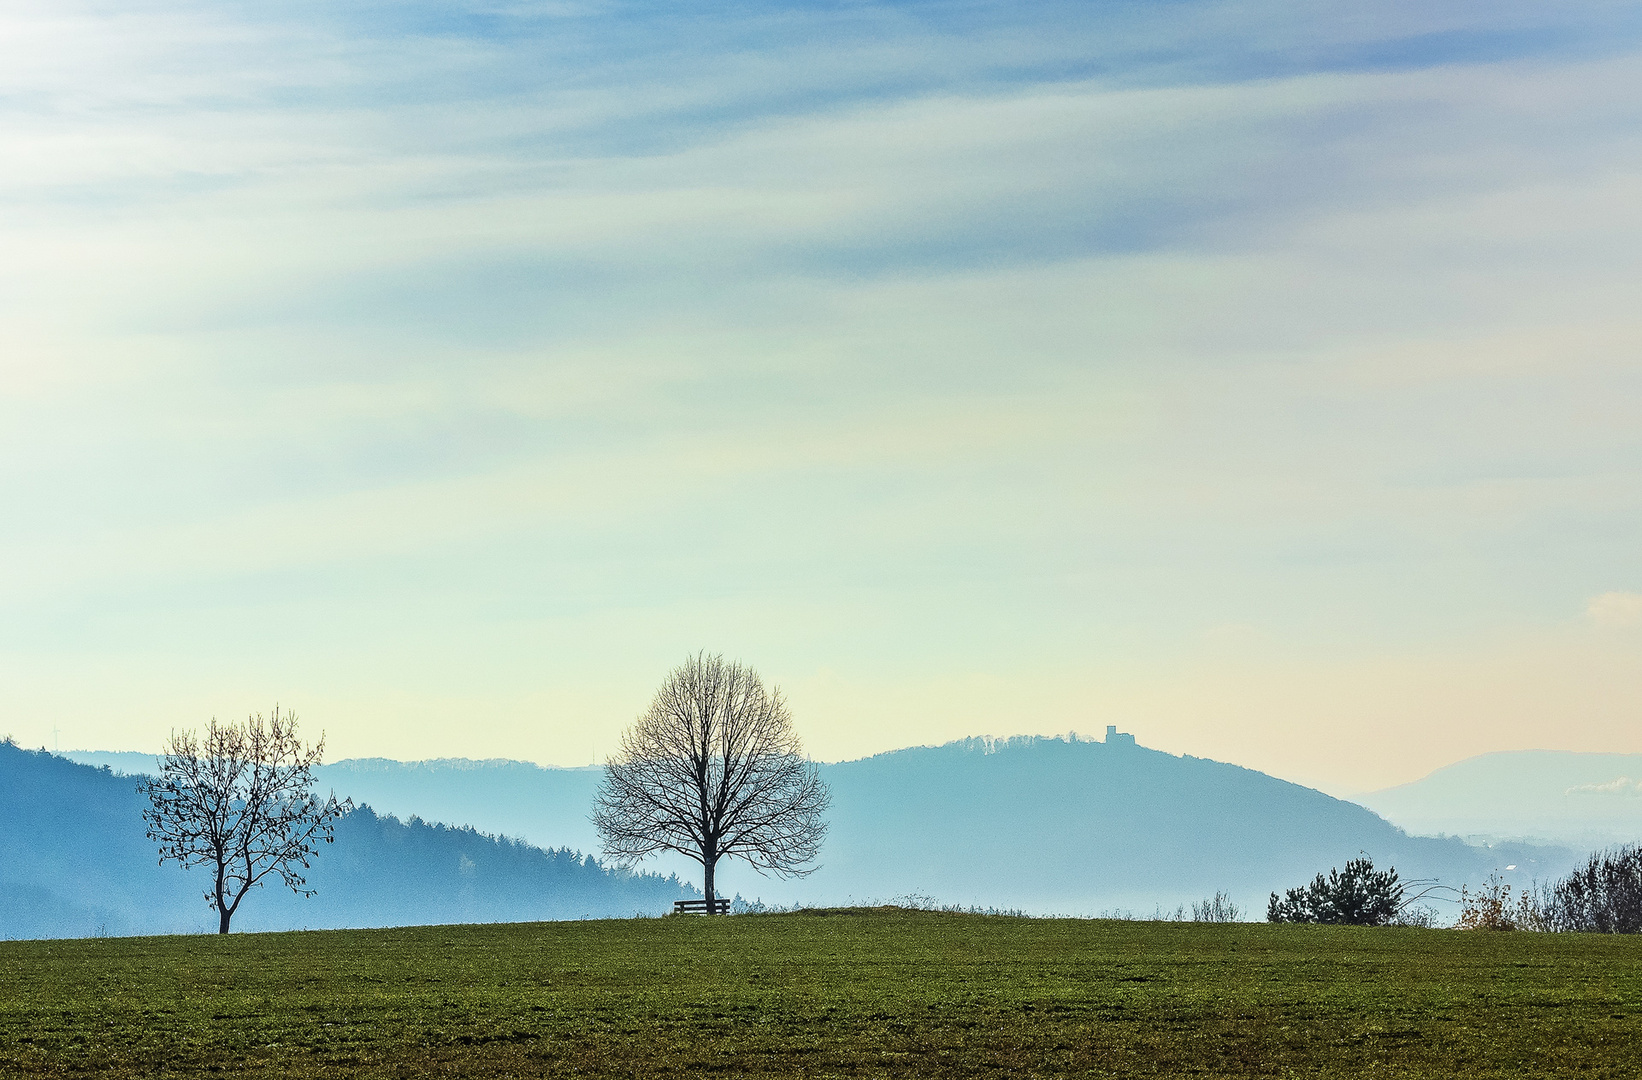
x=860, y=993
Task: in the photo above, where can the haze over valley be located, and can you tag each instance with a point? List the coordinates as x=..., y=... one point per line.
x=1044, y=824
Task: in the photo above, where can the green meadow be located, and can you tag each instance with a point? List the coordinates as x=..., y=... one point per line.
x=840, y=993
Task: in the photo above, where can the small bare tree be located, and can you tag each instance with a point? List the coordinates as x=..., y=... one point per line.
x=713, y=770
x=242, y=802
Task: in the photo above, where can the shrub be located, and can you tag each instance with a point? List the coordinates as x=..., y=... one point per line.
x=1602, y=897
x=1491, y=908
x=1217, y=908
x=1359, y=895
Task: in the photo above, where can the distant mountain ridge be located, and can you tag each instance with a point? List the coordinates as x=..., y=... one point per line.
x=1044, y=824
x=1552, y=796
x=1058, y=825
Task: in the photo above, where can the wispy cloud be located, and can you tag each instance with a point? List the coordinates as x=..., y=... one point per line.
x=1616, y=609
x=1624, y=786
x=387, y=331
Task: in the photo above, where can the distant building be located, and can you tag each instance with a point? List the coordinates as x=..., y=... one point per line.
x=1114, y=737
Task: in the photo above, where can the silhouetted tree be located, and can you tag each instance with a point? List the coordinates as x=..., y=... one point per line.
x=713, y=770
x=1358, y=896
x=241, y=801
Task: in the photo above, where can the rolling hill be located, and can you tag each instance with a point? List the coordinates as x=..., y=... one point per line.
x=74, y=861
x=1043, y=824
x=1058, y=825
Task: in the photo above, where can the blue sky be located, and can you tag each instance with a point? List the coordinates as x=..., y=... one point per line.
x=1260, y=377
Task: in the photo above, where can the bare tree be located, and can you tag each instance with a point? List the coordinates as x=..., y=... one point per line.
x=713, y=770
x=241, y=801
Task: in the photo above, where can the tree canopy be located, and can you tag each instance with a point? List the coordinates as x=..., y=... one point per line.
x=714, y=770
x=241, y=801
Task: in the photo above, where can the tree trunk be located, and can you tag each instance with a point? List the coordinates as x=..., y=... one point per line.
x=707, y=888
x=223, y=914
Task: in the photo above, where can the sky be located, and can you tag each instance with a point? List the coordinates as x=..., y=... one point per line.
x=1264, y=378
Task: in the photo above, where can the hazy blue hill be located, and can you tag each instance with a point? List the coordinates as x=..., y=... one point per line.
x=74, y=860
x=385, y=872
x=1039, y=823
x=547, y=806
x=73, y=855
x=123, y=762
x=1052, y=824
x=1583, y=799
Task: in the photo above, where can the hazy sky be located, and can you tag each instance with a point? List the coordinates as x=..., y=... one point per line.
x=1262, y=377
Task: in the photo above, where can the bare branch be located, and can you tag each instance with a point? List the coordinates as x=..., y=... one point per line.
x=241, y=801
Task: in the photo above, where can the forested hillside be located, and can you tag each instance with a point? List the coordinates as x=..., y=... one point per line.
x=1047, y=824
x=1071, y=825
x=547, y=806
x=74, y=861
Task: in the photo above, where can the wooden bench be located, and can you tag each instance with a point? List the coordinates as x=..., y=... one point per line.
x=719, y=906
